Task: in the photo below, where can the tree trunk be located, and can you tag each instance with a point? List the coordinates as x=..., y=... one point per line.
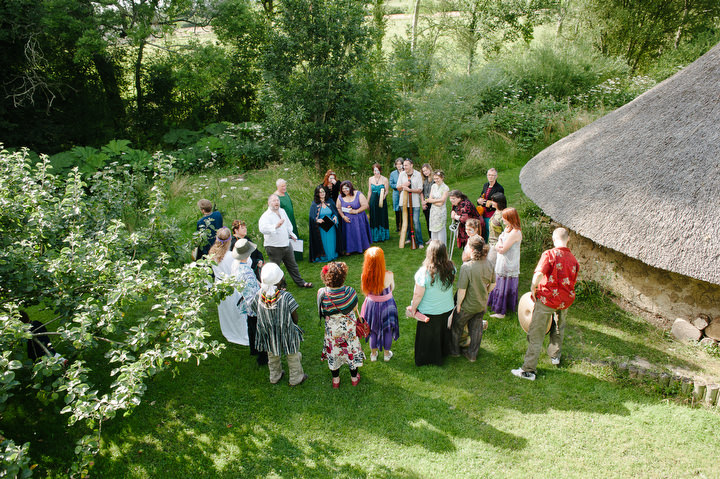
x=413, y=40
x=680, y=29
x=108, y=77
x=139, y=101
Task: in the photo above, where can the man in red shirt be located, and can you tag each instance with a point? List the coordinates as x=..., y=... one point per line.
x=553, y=290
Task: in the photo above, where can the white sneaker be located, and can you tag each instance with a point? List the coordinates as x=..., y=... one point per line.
x=373, y=357
x=498, y=316
x=388, y=356
x=555, y=361
x=523, y=374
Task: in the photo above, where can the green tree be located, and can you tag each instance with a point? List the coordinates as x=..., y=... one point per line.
x=312, y=99
x=640, y=30
x=487, y=23
x=123, y=308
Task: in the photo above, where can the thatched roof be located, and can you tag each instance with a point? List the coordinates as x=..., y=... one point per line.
x=644, y=180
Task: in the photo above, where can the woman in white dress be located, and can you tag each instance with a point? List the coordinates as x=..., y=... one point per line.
x=437, y=222
x=232, y=322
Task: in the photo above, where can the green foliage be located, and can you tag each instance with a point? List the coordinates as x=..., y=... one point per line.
x=89, y=160
x=412, y=70
x=244, y=146
x=313, y=99
x=640, y=30
x=124, y=308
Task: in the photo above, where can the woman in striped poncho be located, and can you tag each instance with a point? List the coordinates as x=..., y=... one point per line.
x=277, y=330
x=337, y=304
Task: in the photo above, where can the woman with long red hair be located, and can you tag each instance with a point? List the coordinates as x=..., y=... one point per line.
x=504, y=298
x=379, y=308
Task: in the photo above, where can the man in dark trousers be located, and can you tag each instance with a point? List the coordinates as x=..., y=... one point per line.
x=553, y=290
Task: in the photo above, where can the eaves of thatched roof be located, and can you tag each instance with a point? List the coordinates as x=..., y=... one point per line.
x=644, y=180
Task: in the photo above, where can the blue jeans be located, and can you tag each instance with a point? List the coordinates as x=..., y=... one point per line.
x=416, y=223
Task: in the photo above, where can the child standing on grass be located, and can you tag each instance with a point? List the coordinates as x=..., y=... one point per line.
x=475, y=277
x=277, y=329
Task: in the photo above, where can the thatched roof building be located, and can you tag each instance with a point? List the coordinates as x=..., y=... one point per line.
x=644, y=180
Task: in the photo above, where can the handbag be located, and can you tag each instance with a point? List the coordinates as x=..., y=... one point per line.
x=362, y=328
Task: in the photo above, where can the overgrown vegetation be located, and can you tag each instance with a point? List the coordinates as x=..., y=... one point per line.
x=95, y=237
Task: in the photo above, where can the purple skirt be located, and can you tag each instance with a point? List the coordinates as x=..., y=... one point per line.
x=504, y=298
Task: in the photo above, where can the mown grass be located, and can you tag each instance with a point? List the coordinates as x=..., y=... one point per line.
x=223, y=419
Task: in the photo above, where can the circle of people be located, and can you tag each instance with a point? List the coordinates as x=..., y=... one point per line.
x=263, y=314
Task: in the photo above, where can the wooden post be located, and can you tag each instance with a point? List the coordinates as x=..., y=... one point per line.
x=403, y=229
x=698, y=390
x=686, y=386
x=711, y=394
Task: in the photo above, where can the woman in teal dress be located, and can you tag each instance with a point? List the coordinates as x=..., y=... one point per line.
x=286, y=204
x=324, y=226
x=378, y=188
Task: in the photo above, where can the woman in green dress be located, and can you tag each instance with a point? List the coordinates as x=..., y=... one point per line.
x=286, y=204
x=378, y=188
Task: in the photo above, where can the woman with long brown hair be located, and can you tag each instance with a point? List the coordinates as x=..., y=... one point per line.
x=504, y=298
x=433, y=297
x=379, y=308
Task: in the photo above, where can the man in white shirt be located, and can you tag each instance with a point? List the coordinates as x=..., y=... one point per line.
x=277, y=230
x=411, y=181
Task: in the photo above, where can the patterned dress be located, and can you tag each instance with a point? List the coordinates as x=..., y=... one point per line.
x=378, y=215
x=342, y=346
x=438, y=213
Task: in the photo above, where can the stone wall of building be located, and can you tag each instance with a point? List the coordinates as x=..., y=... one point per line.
x=656, y=291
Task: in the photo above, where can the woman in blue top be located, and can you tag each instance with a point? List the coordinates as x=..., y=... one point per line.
x=433, y=297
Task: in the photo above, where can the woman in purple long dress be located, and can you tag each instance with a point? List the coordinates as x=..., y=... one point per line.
x=352, y=205
x=379, y=308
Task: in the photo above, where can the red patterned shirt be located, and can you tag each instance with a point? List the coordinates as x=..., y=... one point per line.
x=557, y=289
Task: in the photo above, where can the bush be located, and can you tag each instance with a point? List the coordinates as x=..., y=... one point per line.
x=244, y=146
x=560, y=72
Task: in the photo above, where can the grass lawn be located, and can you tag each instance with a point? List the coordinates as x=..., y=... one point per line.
x=222, y=418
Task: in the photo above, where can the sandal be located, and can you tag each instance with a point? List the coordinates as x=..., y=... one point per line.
x=336, y=383
x=373, y=357
x=355, y=380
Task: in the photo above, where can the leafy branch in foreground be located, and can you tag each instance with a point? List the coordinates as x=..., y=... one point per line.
x=124, y=307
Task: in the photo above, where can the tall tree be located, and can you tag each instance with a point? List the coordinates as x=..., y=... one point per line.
x=312, y=100
x=639, y=30
x=487, y=23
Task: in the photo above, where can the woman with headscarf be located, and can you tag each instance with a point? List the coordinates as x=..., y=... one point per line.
x=337, y=305
x=278, y=332
x=324, y=226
